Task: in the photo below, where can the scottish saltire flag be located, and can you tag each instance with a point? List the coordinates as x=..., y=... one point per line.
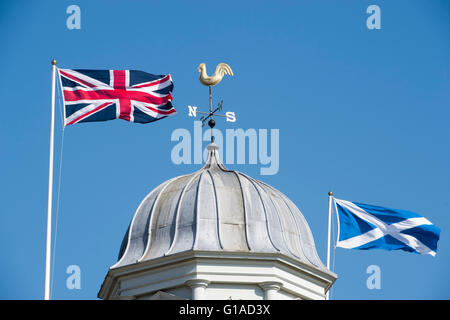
x=363, y=226
x=101, y=95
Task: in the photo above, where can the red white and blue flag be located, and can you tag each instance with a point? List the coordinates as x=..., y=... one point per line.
x=101, y=95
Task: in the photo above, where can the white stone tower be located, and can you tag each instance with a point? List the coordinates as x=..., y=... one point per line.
x=217, y=234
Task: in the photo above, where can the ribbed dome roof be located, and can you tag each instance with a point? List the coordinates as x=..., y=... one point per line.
x=215, y=209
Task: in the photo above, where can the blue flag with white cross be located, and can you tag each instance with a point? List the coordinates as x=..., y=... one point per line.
x=365, y=227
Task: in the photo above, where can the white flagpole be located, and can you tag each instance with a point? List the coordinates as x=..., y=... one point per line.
x=330, y=200
x=50, y=190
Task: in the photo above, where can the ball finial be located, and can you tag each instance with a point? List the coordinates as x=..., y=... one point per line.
x=53, y=62
x=330, y=193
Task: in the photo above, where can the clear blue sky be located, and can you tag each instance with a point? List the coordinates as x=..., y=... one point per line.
x=362, y=112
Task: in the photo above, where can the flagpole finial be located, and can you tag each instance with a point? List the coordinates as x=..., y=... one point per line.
x=54, y=62
x=330, y=193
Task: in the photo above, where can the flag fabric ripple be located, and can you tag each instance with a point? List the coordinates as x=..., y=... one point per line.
x=364, y=227
x=101, y=95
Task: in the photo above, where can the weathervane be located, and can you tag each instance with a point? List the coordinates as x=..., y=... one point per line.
x=221, y=70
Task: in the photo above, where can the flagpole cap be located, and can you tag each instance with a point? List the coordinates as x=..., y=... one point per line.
x=54, y=62
x=330, y=193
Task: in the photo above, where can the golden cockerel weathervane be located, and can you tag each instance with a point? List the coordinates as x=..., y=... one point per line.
x=210, y=81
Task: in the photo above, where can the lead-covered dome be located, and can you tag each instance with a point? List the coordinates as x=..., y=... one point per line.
x=215, y=209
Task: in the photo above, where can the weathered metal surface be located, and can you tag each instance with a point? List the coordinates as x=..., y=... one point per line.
x=215, y=209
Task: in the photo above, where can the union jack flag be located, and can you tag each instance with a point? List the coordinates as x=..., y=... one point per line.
x=101, y=95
